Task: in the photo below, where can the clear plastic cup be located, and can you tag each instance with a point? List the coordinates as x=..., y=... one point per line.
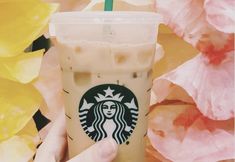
x=106, y=61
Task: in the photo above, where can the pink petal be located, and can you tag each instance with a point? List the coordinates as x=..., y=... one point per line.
x=221, y=14
x=187, y=18
x=153, y=155
x=183, y=134
x=211, y=87
x=50, y=85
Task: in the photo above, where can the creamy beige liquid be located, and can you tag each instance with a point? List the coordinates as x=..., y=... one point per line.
x=87, y=64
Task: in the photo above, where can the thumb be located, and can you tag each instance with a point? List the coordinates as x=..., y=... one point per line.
x=103, y=151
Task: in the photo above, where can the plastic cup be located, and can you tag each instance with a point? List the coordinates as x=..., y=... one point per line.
x=106, y=62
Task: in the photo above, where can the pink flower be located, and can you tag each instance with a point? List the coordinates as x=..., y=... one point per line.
x=193, y=116
x=210, y=86
x=182, y=134
x=188, y=19
x=220, y=14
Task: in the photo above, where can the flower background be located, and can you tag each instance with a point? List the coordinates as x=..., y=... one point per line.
x=191, y=116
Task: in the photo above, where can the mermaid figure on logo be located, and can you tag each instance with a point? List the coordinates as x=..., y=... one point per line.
x=110, y=119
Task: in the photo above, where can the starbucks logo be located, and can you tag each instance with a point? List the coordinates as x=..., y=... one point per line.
x=108, y=110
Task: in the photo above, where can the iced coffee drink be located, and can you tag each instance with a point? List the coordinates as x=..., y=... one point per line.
x=106, y=81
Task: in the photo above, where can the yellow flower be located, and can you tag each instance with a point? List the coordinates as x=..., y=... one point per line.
x=21, y=22
x=15, y=149
x=18, y=104
x=22, y=146
x=21, y=68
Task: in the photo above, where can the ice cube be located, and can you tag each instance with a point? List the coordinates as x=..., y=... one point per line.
x=120, y=58
x=82, y=78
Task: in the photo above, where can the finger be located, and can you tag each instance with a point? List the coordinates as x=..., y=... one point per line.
x=54, y=146
x=103, y=151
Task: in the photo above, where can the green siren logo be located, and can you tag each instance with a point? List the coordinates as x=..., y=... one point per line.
x=108, y=110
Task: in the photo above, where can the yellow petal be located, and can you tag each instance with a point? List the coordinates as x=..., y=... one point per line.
x=71, y=5
x=29, y=129
x=15, y=149
x=30, y=134
x=22, y=68
x=18, y=103
x=21, y=23
x=177, y=51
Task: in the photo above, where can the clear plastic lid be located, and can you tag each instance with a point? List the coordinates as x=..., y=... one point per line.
x=107, y=17
x=115, y=27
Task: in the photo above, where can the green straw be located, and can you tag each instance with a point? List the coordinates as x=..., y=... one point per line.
x=108, y=6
